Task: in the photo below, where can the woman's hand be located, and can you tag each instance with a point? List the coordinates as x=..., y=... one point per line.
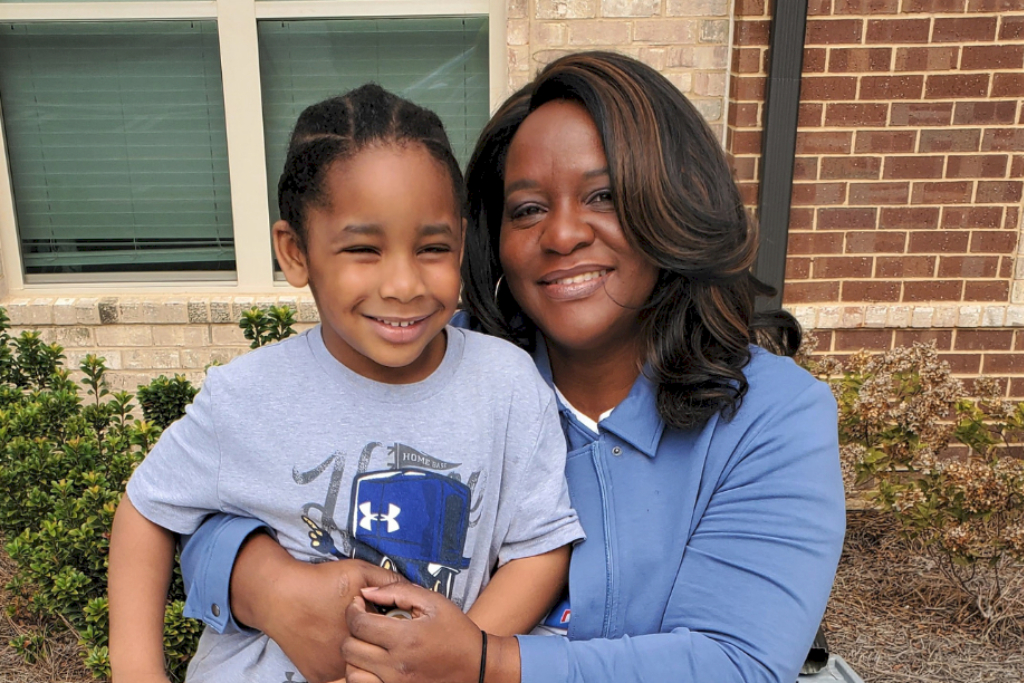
x=439, y=643
x=300, y=606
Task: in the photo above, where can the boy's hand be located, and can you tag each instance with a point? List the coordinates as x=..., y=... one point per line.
x=301, y=606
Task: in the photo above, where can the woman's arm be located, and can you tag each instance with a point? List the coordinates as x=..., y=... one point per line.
x=749, y=593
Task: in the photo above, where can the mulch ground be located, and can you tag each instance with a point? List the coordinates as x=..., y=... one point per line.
x=892, y=617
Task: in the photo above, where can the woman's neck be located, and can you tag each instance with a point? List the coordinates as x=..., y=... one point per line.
x=594, y=382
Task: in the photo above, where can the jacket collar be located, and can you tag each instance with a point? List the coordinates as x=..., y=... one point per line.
x=636, y=420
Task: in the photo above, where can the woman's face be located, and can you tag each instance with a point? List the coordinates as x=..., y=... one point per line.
x=565, y=257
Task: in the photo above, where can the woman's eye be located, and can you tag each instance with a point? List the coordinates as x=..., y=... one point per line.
x=523, y=211
x=602, y=196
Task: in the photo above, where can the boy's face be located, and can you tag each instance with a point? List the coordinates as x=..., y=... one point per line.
x=382, y=261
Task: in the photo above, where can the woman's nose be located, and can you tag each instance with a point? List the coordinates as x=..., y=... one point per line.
x=565, y=232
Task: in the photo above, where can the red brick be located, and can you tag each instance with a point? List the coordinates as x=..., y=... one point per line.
x=875, y=194
x=992, y=57
x=814, y=60
x=750, y=8
x=927, y=58
x=939, y=242
x=998, y=191
x=885, y=142
x=746, y=142
x=915, y=6
x=1012, y=28
x=833, y=31
x=748, y=60
x=1007, y=85
x=993, y=242
x=798, y=268
x=805, y=168
x=955, y=140
x=815, y=243
x=942, y=193
x=994, y=5
x=744, y=168
x=868, y=339
x=847, y=219
x=1018, y=339
x=1012, y=218
x=818, y=194
x=968, y=266
x=748, y=88
x=828, y=88
x=913, y=167
x=962, y=363
x=962, y=30
x=889, y=31
x=891, y=87
x=1016, y=387
x=744, y=114
x=1017, y=167
x=810, y=292
x=833, y=142
x=751, y=32
x=960, y=218
x=987, y=290
x=871, y=290
x=1004, y=363
x=909, y=218
x=748, y=193
x=850, y=114
x=943, y=338
x=977, y=166
x=905, y=266
x=932, y=290
x=866, y=7
x=875, y=242
x=828, y=267
x=801, y=218
x=1006, y=267
x=819, y=7
x=859, y=59
x=860, y=168
x=984, y=113
x=809, y=115
x=946, y=87
x=1003, y=140
x=921, y=114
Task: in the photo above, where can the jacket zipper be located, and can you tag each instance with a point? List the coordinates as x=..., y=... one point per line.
x=605, y=519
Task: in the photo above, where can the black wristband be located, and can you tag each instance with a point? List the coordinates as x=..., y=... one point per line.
x=483, y=655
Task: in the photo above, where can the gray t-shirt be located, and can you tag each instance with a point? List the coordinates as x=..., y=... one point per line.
x=443, y=479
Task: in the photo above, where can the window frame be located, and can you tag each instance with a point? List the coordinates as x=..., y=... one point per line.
x=240, y=75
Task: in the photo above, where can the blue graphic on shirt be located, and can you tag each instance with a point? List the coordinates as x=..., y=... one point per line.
x=412, y=522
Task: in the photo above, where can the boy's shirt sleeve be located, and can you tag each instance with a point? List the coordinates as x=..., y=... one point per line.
x=542, y=518
x=176, y=486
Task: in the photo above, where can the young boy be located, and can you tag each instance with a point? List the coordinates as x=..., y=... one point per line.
x=382, y=434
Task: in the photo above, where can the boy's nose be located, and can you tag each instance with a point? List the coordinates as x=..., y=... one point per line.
x=402, y=282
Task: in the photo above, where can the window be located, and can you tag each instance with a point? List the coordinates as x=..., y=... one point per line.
x=133, y=145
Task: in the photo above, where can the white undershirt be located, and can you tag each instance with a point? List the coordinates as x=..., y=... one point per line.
x=585, y=420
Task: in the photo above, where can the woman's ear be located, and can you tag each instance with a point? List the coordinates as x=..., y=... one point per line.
x=290, y=254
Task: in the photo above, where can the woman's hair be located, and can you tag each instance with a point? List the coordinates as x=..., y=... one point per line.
x=341, y=127
x=678, y=206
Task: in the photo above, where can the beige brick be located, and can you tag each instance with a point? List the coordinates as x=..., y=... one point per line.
x=130, y=381
x=265, y=303
x=547, y=34
x=151, y=359
x=87, y=311
x=517, y=9
x=566, y=9
x=519, y=61
x=805, y=315
x=922, y=316
x=1017, y=292
x=226, y=354
x=898, y=316
x=1014, y=316
x=709, y=84
x=172, y=311
x=130, y=311
x=199, y=310
x=970, y=316
x=220, y=310
x=654, y=57
x=718, y=131
x=698, y=57
x=518, y=32
x=714, y=31
x=874, y=316
x=630, y=8
x=518, y=79
x=598, y=33
x=993, y=316
x=17, y=311
x=227, y=335
x=72, y=336
x=945, y=316
x=64, y=311
x=542, y=58
x=181, y=335
x=196, y=358
x=239, y=305
x=308, y=312
x=711, y=110
x=829, y=317
x=124, y=335
x=666, y=31
x=683, y=80
x=111, y=357
x=697, y=8
x=853, y=316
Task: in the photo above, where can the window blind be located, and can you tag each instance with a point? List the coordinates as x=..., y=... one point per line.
x=117, y=150
x=440, y=63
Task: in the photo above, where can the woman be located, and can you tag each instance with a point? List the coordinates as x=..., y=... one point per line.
x=608, y=238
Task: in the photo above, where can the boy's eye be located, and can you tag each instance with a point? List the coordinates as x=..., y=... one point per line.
x=437, y=249
x=359, y=249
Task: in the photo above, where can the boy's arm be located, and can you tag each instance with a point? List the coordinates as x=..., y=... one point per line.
x=521, y=592
x=141, y=560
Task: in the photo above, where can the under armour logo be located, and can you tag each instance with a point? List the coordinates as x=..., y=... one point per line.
x=368, y=518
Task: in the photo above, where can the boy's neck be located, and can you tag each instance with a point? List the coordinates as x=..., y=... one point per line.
x=417, y=371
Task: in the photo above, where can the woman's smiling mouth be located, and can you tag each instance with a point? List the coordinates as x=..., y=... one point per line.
x=574, y=284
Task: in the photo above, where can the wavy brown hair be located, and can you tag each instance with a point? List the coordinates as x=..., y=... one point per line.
x=678, y=206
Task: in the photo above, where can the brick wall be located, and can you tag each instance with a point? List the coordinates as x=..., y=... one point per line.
x=687, y=40
x=908, y=176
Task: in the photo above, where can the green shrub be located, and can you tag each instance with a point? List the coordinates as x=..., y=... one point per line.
x=163, y=400
x=265, y=326
x=64, y=463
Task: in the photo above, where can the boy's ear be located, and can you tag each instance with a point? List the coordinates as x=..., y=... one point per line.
x=290, y=254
